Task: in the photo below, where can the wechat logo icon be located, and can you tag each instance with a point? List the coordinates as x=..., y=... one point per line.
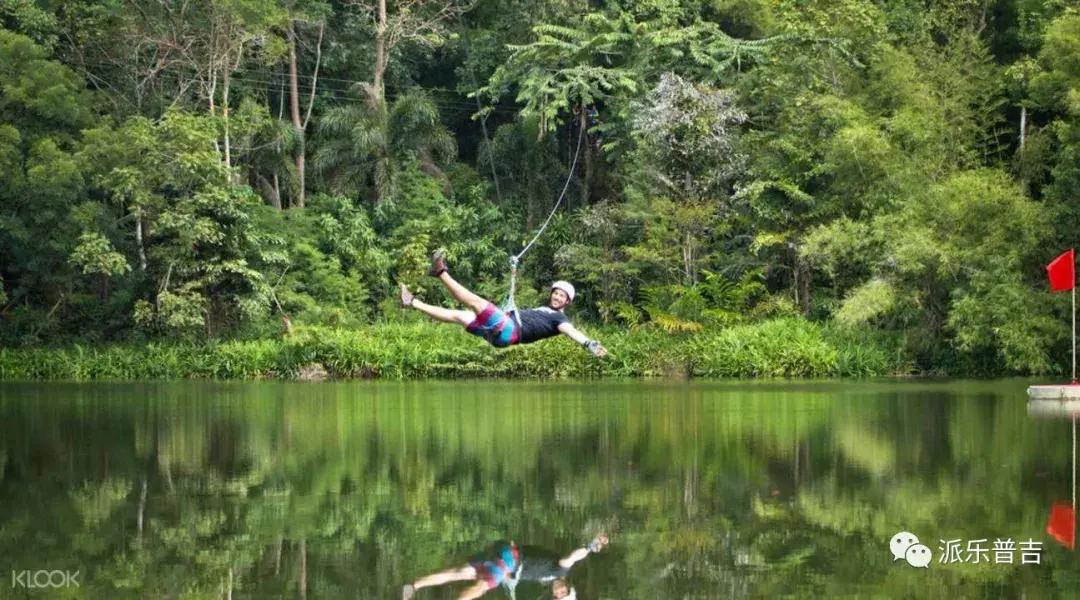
x=906, y=546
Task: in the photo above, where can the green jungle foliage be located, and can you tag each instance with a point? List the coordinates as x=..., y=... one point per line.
x=735, y=176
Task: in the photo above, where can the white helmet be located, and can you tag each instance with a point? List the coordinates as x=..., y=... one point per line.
x=565, y=287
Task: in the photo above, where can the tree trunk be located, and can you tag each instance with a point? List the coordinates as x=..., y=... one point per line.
x=213, y=90
x=226, y=78
x=1023, y=126
x=269, y=190
x=303, y=569
x=142, y=509
x=583, y=123
x=225, y=116
x=294, y=107
x=314, y=76
x=139, y=242
x=688, y=259
x=281, y=117
x=691, y=480
x=277, y=557
x=213, y=107
x=380, y=53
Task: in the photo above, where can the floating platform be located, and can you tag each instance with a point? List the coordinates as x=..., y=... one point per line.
x=1054, y=392
x=1061, y=401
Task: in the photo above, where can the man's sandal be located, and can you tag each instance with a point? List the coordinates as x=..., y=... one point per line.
x=438, y=264
x=406, y=296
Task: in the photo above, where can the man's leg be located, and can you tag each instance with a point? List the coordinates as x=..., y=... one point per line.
x=445, y=315
x=473, y=592
x=465, y=573
x=458, y=291
x=463, y=295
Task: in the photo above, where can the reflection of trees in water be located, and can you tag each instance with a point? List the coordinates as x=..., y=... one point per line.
x=727, y=494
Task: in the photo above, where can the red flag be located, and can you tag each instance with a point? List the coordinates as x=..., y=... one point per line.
x=1062, y=272
x=1062, y=524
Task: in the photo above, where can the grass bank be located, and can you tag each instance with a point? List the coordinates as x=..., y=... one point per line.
x=778, y=348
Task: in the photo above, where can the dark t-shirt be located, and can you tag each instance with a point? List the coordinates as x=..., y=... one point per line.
x=540, y=564
x=539, y=323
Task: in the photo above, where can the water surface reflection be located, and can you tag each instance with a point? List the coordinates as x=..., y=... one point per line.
x=268, y=490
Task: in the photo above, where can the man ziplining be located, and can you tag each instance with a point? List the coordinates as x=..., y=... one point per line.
x=486, y=320
x=504, y=563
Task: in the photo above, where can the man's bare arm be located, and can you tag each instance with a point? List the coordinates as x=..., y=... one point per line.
x=591, y=345
x=594, y=546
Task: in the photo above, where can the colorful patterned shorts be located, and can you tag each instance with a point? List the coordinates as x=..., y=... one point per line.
x=494, y=326
x=495, y=570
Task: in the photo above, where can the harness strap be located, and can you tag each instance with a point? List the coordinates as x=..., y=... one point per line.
x=509, y=307
x=510, y=583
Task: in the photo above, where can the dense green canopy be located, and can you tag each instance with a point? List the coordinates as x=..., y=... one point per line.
x=194, y=170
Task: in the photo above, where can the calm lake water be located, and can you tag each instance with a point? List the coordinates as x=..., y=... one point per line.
x=351, y=490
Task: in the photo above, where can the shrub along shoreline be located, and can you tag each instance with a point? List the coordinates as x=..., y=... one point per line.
x=778, y=348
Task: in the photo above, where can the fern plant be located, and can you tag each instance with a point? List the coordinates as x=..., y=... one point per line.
x=714, y=301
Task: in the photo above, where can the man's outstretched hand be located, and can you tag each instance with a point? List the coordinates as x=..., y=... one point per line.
x=596, y=349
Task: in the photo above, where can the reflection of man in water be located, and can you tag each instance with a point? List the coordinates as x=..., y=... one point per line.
x=506, y=564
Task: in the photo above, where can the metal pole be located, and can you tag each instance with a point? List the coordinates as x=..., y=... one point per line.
x=1074, y=479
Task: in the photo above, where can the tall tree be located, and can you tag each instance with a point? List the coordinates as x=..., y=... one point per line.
x=367, y=144
x=423, y=22
x=311, y=14
x=43, y=105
